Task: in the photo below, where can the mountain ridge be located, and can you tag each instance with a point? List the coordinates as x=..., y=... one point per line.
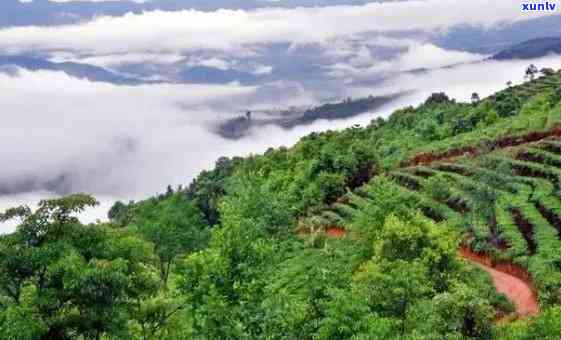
x=531, y=49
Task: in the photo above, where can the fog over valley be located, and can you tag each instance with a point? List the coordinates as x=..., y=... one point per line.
x=120, y=105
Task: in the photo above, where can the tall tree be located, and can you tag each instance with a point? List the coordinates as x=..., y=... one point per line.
x=60, y=279
x=475, y=98
x=531, y=72
x=174, y=225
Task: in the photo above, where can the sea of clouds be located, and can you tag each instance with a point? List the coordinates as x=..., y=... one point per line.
x=62, y=134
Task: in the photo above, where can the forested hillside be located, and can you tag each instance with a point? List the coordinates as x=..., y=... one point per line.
x=534, y=48
x=352, y=234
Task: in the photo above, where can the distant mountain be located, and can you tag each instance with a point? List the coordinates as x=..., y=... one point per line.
x=491, y=40
x=78, y=70
x=134, y=75
x=530, y=49
x=240, y=126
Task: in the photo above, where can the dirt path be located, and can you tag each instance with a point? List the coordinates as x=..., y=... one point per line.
x=511, y=280
x=517, y=288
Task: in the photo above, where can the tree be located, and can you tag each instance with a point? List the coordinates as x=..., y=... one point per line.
x=531, y=72
x=121, y=213
x=60, y=279
x=174, y=225
x=506, y=104
x=224, y=283
x=386, y=198
x=252, y=197
x=509, y=84
x=412, y=260
x=547, y=71
x=437, y=98
x=546, y=326
x=209, y=187
x=345, y=305
x=21, y=321
x=391, y=288
x=460, y=313
x=475, y=98
x=155, y=313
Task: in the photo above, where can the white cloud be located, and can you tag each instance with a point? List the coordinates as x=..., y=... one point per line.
x=89, y=131
x=461, y=81
x=130, y=142
x=173, y=32
x=119, y=140
x=428, y=56
x=218, y=63
x=118, y=59
x=418, y=56
x=262, y=69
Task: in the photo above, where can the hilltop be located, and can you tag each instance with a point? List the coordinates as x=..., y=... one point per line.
x=531, y=49
x=77, y=70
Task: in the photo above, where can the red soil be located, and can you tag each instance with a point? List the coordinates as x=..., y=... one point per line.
x=505, y=142
x=429, y=157
x=509, y=279
x=331, y=232
x=335, y=232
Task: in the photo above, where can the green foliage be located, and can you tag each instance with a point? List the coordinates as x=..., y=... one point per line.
x=242, y=254
x=547, y=326
x=120, y=213
x=22, y=321
x=348, y=316
x=385, y=198
x=209, y=186
x=174, y=225
x=60, y=279
x=463, y=312
x=391, y=287
x=253, y=199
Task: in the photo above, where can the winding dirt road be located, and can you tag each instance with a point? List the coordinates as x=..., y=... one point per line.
x=517, y=291
x=510, y=280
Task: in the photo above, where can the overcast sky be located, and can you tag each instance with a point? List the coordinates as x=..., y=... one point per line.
x=181, y=31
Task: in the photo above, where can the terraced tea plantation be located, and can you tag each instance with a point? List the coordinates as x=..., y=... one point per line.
x=498, y=185
x=507, y=203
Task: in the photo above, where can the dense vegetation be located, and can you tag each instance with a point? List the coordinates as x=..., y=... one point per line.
x=241, y=252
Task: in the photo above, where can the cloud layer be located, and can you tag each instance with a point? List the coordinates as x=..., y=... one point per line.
x=164, y=32
x=130, y=142
x=61, y=134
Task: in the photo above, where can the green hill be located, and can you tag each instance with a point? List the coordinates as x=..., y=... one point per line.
x=531, y=49
x=243, y=252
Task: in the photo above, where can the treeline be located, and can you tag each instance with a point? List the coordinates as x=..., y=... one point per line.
x=344, y=109
x=237, y=127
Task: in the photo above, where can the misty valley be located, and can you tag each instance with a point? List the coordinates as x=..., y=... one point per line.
x=293, y=169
